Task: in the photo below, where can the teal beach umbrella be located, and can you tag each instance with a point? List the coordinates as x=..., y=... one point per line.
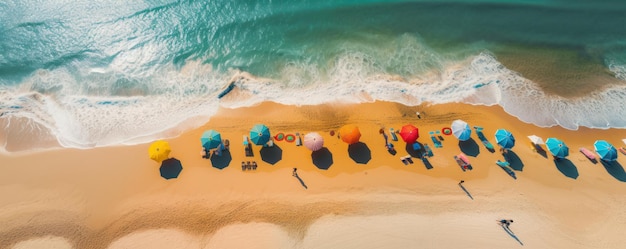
x=606, y=151
x=505, y=139
x=557, y=147
x=260, y=134
x=210, y=139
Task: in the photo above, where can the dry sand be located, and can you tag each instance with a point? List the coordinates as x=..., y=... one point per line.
x=114, y=197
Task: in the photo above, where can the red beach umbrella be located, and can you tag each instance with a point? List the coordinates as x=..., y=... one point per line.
x=409, y=133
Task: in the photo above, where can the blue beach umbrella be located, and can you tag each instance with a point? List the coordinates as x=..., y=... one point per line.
x=606, y=151
x=260, y=134
x=557, y=147
x=461, y=130
x=505, y=139
x=210, y=139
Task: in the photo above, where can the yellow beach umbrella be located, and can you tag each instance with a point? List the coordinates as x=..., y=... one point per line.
x=159, y=150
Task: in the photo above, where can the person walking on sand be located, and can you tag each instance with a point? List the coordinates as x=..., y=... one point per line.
x=295, y=172
x=461, y=182
x=506, y=223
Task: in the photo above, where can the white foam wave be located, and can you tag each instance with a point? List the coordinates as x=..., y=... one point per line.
x=102, y=107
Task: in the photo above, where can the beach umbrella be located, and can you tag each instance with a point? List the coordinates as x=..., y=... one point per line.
x=557, y=147
x=505, y=139
x=606, y=151
x=260, y=134
x=313, y=141
x=461, y=130
x=159, y=150
x=350, y=134
x=624, y=140
x=409, y=133
x=535, y=139
x=210, y=139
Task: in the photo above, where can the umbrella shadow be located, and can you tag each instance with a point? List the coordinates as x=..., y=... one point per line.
x=360, y=153
x=272, y=154
x=415, y=153
x=222, y=161
x=508, y=230
x=170, y=168
x=469, y=147
x=322, y=158
x=540, y=150
x=615, y=169
x=566, y=167
x=514, y=161
x=466, y=192
x=301, y=181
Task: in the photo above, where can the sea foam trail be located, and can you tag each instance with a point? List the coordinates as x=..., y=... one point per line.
x=103, y=107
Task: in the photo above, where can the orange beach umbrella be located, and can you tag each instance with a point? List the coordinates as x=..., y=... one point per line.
x=350, y=134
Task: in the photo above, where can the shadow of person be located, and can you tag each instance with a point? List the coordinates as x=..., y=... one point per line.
x=508, y=230
x=360, y=153
x=615, y=169
x=222, y=161
x=322, y=158
x=566, y=167
x=301, y=181
x=514, y=161
x=466, y=192
x=469, y=147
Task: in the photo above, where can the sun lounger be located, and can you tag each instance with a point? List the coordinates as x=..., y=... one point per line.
x=461, y=163
x=429, y=152
x=404, y=161
x=436, y=142
x=587, y=153
x=393, y=134
x=247, y=147
x=483, y=139
x=408, y=158
x=505, y=166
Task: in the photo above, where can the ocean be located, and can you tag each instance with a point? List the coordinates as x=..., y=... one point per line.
x=100, y=73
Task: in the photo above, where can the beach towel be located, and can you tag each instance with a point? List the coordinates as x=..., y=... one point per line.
x=460, y=162
x=506, y=168
x=429, y=152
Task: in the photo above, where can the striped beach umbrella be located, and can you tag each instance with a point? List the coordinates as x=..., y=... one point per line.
x=210, y=139
x=409, y=133
x=606, y=151
x=260, y=134
x=313, y=141
x=557, y=147
x=350, y=134
x=461, y=130
x=505, y=139
x=159, y=150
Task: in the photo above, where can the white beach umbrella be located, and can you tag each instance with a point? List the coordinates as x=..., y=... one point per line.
x=313, y=141
x=624, y=140
x=461, y=130
x=535, y=139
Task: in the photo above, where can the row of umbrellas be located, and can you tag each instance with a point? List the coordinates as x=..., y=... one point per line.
x=558, y=148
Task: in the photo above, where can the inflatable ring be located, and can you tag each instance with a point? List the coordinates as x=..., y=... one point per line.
x=279, y=137
x=446, y=131
x=290, y=138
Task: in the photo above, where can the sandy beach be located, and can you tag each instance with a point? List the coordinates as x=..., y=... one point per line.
x=114, y=197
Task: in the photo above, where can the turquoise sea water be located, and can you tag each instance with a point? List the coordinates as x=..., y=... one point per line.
x=92, y=74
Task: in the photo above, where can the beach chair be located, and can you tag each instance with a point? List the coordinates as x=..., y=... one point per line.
x=298, y=139
x=587, y=153
x=429, y=152
x=461, y=163
x=393, y=134
x=505, y=166
x=436, y=142
x=226, y=143
x=622, y=150
x=247, y=147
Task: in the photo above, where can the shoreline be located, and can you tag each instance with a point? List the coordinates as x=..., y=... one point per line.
x=96, y=197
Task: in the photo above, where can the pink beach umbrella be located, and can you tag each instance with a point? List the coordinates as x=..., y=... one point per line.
x=313, y=141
